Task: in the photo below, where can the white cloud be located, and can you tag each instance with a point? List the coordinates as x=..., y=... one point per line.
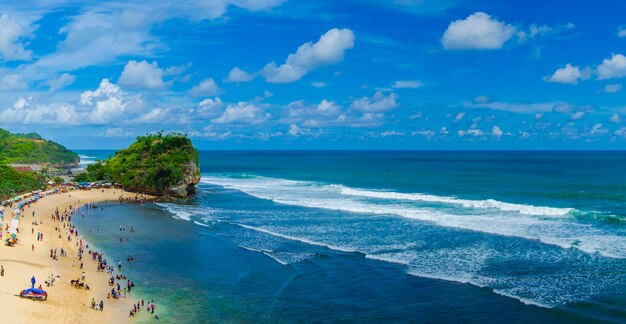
x=106, y=104
x=525, y=108
x=12, y=82
x=616, y=118
x=25, y=111
x=319, y=84
x=578, y=115
x=13, y=33
x=206, y=88
x=296, y=131
x=157, y=115
x=496, y=131
x=615, y=67
x=103, y=33
x=597, y=130
x=142, y=75
x=242, y=113
x=238, y=75
x=328, y=50
x=477, y=31
x=621, y=31
x=62, y=81
x=569, y=75
x=542, y=30
x=209, y=107
x=117, y=132
x=378, y=103
x=459, y=116
x=407, y=84
x=95, y=38
x=612, y=88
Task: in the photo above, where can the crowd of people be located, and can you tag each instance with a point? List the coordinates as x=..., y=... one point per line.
x=121, y=286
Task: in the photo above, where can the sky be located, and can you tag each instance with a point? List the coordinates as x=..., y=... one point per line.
x=295, y=74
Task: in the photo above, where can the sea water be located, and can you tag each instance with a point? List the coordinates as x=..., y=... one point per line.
x=381, y=237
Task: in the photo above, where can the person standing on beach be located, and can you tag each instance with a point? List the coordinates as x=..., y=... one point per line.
x=33, y=281
x=1, y=271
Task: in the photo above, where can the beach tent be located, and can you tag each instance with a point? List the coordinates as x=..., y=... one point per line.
x=34, y=293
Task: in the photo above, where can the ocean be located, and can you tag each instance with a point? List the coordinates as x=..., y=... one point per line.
x=381, y=236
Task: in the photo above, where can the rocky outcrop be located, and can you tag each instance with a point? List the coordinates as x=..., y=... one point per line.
x=186, y=186
x=157, y=164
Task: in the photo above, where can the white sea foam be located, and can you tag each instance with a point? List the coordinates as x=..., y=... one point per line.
x=487, y=203
x=564, y=232
x=86, y=160
x=178, y=211
x=201, y=224
x=275, y=258
x=293, y=238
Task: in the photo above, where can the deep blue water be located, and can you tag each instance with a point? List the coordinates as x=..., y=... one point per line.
x=383, y=237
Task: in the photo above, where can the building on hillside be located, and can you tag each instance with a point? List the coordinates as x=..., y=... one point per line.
x=26, y=167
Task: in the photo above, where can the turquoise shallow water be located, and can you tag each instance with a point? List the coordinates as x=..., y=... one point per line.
x=383, y=236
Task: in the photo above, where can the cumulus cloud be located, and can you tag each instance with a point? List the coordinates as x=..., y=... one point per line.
x=477, y=31
x=142, y=75
x=13, y=34
x=569, y=75
x=614, y=67
x=26, y=111
x=242, y=113
x=328, y=50
x=496, y=131
x=480, y=31
x=407, y=84
x=621, y=31
x=206, y=88
x=238, y=75
x=377, y=103
x=458, y=117
x=106, y=104
x=62, y=81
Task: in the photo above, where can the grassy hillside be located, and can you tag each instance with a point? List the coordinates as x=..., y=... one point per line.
x=152, y=164
x=33, y=149
x=13, y=182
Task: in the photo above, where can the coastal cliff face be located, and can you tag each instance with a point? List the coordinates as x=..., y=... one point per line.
x=156, y=164
x=187, y=185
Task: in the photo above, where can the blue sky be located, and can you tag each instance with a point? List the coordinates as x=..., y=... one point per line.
x=287, y=74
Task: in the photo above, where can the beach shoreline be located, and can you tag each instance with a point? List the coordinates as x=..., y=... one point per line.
x=31, y=257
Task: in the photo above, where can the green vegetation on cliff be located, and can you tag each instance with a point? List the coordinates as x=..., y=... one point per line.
x=13, y=182
x=33, y=149
x=154, y=164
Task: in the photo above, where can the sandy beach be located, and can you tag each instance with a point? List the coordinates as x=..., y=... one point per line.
x=65, y=304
